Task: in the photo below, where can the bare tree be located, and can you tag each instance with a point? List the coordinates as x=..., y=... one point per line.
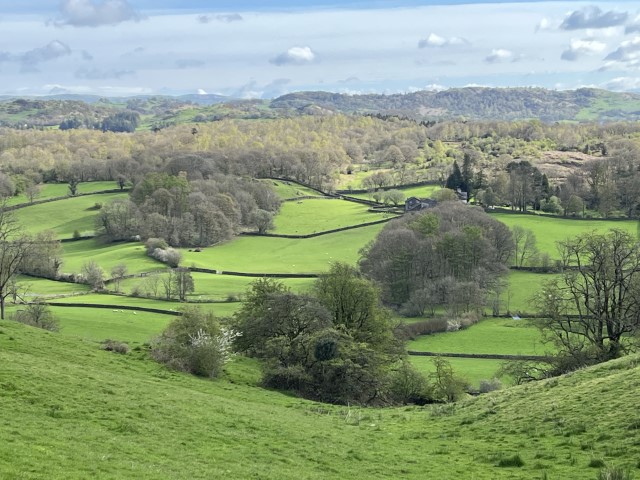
x=33, y=191
x=525, y=245
x=595, y=304
x=14, y=248
x=118, y=273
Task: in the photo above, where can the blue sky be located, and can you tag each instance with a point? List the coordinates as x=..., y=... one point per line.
x=261, y=49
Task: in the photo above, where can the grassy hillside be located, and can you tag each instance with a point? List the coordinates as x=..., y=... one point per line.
x=80, y=412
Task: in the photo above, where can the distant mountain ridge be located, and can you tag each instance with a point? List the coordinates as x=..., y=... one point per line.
x=470, y=103
x=479, y=103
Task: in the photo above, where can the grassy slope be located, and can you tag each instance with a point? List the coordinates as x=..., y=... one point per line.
x=550, y=230
x=496, y=335
x=75, y=254
x=279, y=255
x=310, y=216
x=64, y=216
x=78, y=412
x=290, y=189
x=420, y=192
x=52, y=190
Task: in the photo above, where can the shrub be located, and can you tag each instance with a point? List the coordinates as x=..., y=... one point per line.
x=514, y=461
x=170, y=256
x=37, y=315
x=194, y=343
x=596, y=463
x=614, y=473
x=76, y=234
x=487, y=386
x=407, y=385
x=152, y=243
x=410, y=331
x=115, y=346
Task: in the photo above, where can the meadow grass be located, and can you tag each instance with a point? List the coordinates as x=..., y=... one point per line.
x=283, y=255
x=311, y=216
x=107, y=256
x=220, y=287
x=290, y=189
x=218, y=309
x=424, y=191
x=54, y=190
x=472, y=370
x=523, y=286
x=64, y=216
x=502, y=336
x=44, y=287
x=549, y=230
x=80, y=412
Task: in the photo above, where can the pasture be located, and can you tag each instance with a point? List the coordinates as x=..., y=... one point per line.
x=425, y=191
x=107, y=256
x=472, y=370
x=69, y=396
x=65, y=216
x=502, y=336
x=522, y=286
x=283, y=255
x=312, y=216
x=216, y=287
x=54, y=190
x=286, y=190
x=549, y=230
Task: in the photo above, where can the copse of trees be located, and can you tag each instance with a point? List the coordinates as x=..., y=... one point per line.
x=335, y=345
x=451, y=256
x=189, y=213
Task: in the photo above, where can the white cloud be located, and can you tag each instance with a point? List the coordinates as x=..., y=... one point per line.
x=629, y=50
x=499, y=55
x=593, y=17
x=435, y=40
x=32, y=58
x=295, y=56
x=623, y=84
x=86, y=13
x=579, y=47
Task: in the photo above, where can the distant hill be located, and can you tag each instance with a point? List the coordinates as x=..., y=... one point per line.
x=478, y=103
x=473, y=103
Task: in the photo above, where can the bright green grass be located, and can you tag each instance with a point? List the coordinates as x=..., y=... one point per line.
x=220, y=287
x=420, y=192
x=53, y=190
x=354, y=181
x=102, y=324
x=64, y=216
x=219, y=309
x=311, y=216
x=471, y=370
x=107, y=256
x=523, y=286
x=548, y=231
x=283, y=255
x=502, y=336
x=290, y=189
x=79, y=412
x=44, y=287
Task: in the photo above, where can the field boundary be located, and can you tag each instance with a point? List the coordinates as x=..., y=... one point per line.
x=66, y=197
x=250, y=274
x=317, y=234
x=424, y=183
x=115, y=307
x=485, y=356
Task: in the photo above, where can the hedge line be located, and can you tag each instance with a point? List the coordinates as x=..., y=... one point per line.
x=486, y=356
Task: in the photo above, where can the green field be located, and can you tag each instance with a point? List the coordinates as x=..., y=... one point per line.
x=65, y=216
x=287, y=190
x=283, y=255
x=43, y=287
x=107, y=256
x=219, y=309
x=80, y=412
x=550, y=230
x=471, y=370
x=421, y=192
x=311, y=216
x=54, y=190
x=502, y=336
x=522, y=286
x=220, y=287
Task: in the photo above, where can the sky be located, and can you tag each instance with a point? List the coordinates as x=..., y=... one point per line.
x=263, y=49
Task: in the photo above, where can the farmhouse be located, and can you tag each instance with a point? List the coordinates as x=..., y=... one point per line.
x=413, y=204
